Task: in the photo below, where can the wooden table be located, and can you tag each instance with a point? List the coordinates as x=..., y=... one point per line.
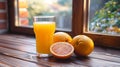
x=19, y=51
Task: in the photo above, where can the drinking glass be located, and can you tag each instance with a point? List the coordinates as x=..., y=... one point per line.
x=44, y=28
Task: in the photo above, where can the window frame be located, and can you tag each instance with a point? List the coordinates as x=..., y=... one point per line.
x=79, y=25
x=99, y=39
x=22, y=29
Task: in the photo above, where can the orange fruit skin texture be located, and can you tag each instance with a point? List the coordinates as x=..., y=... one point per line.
x=62, y=50
x=61, y=37
x=83, y=45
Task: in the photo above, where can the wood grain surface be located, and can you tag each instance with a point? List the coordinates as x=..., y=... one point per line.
x=19, y=51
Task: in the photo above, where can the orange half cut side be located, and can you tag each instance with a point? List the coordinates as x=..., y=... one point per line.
x=61, y=50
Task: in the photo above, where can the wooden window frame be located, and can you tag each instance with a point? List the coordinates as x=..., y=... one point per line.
x=79, y=24
x=99, y=39
x=21, y=29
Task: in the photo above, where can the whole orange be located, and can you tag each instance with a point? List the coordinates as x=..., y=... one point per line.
x=62, y=37
x=83, y=45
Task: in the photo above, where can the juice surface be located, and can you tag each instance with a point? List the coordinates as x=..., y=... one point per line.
x=44, y=36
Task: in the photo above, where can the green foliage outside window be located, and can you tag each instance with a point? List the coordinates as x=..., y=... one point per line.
x=107, y=19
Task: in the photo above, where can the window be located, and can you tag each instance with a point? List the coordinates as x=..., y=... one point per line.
x=61, y=9
x=25, y=10
x=104, y=17
x=100, y=37
x=79, y=25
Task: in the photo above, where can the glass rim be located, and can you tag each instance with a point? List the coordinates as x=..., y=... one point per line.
x=43, y=16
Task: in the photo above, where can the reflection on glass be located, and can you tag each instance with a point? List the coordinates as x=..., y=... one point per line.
x=61, y=9
x=104, y=16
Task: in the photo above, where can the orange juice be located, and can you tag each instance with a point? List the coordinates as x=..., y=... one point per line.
x=44, y=36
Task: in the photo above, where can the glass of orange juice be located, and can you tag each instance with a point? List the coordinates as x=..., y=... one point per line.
x=44, y=28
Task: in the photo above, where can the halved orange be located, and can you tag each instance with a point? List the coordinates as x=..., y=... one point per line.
x=62, y=50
